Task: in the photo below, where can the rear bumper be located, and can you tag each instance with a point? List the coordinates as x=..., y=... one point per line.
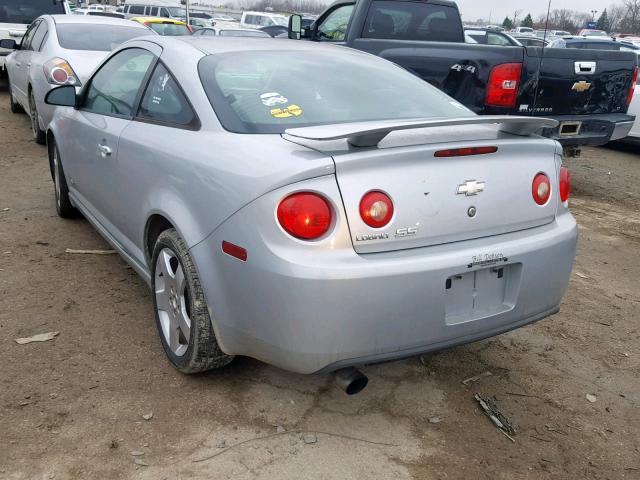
x=339, y=308
x=594, y=130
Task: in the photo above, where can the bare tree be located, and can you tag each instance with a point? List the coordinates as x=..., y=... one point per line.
x=616, y=13
x=516, y=14
x=631, y=20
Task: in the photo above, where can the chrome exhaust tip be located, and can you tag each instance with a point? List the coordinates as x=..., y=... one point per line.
x=351, y=380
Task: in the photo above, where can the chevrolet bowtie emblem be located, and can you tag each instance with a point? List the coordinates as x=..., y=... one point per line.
x=470, y=188
x=581, y=86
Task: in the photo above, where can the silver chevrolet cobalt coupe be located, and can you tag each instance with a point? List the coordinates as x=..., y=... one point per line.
x=311, y=206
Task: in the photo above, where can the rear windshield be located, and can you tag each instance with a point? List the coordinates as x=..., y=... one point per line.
x=170, y=29
x=102, y=38
x=243, y=33
x=26, y=11
x=256, y=92
x=395, y=20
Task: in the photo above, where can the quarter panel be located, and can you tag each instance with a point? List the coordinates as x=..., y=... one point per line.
x=200, y=178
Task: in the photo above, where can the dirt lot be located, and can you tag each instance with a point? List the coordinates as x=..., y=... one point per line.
x=73, y=408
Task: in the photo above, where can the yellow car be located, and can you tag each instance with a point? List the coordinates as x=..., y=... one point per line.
x=165, y=26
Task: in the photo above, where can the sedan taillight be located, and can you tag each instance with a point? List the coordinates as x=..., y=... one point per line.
x=565, y=184
x=57, y=71
x=305, y=215
x=376, y=209
x=541, y=189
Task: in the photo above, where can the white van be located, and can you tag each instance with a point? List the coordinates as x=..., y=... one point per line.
x=16, y=15
x=141, y=8
x=263, y=19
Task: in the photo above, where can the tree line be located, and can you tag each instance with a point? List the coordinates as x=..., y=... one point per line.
x=621, y=17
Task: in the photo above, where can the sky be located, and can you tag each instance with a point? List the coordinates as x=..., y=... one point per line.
x=473, y=9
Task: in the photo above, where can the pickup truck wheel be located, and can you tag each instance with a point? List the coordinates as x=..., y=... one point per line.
x=38, y=135
x=13, y=105
x=63, y=204
x=181, y=312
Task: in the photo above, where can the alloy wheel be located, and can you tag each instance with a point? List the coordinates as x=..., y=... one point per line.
x=173, y=302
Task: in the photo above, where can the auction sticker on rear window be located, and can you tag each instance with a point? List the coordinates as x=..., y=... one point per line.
x=286, y=112
x=271, y=99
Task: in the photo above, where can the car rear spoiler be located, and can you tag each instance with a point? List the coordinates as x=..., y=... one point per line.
x=369, y=134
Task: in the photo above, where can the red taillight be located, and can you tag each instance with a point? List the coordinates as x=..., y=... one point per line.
x=465, y=152
x=376, y=209
x=634, y=80
x=57, y=71
x=234, y=250
x=305, y=215
x=565, y=183
x=59, y=75
x=190, y=28
x=502, y=89
x=541, y=189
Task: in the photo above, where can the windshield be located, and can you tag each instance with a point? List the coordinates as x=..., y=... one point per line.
x=526, y=30
x=26, y=11
x=280, y=21
x=244, y=33
x=177, y=12
x=256, y=92
x=103, y=38
x=169, y=29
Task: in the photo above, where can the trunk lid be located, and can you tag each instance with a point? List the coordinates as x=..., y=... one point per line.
x=84, y=62
x=429, y=204
x=576, y=82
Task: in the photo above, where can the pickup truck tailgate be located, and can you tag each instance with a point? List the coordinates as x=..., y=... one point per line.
x=576, y=82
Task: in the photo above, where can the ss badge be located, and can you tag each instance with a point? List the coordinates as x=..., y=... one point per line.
x=406, y=232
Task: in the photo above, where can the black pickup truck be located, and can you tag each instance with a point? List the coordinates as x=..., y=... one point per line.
x=587, y=91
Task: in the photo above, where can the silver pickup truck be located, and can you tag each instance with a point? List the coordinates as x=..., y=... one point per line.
x=16, y=15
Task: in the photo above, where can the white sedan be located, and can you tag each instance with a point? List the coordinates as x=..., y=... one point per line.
x=60, y=50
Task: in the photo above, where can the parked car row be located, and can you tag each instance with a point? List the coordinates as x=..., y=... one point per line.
x=403, y=189
x=250, y=251
x=587, y=91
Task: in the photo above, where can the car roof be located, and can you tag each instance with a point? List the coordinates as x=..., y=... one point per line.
x=213, y=45
x=156, y=20
x=91, y=19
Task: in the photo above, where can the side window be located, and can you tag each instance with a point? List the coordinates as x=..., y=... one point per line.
x=334, y=26
x=26, y=40
x=153, y=11
x=114, y=88
x=495, y=39
x=164, y=13
x=164, y=101
x=38, y=37
x=479, y=37
x=136, y=10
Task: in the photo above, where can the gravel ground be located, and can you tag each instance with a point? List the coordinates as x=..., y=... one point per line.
x=73, y=407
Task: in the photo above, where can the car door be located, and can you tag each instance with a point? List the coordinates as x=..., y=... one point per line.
x=163, y=125
x=107, y=105
x=19, y=77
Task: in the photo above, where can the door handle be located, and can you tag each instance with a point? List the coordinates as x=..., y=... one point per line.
x=104, y=150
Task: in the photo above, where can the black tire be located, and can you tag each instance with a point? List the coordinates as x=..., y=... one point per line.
x=63, y=204
x=39, y=135
x=14, y=106
x=202, y=350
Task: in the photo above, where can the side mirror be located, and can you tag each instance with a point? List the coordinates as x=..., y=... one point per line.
x=295, y=27
x=64, y=96
x=9, y=44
